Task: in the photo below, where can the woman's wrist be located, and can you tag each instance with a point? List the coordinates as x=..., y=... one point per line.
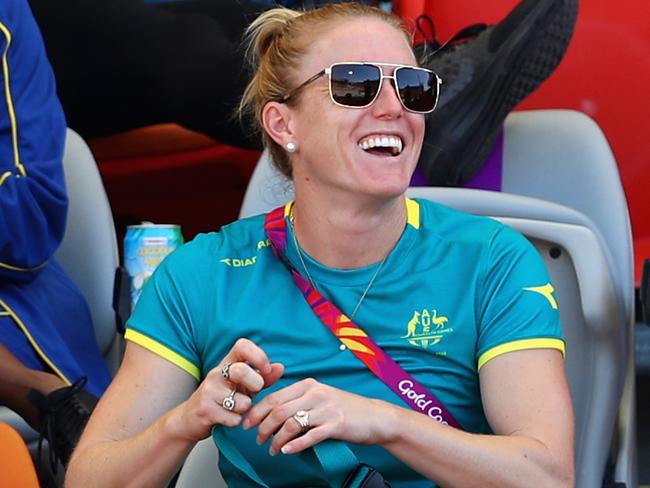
x=171, y=427
x=388, y=420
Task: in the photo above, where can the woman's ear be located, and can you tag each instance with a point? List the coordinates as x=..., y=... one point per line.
x=276, y=118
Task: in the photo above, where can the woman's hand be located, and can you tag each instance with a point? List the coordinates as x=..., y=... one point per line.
x=332, y=414
x=248, y=371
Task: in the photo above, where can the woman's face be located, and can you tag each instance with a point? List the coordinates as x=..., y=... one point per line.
x=330, y=137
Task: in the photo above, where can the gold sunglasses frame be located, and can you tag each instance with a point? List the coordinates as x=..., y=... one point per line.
x=328, y=71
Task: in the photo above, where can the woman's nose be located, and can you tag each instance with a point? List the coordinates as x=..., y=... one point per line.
x=388, y=103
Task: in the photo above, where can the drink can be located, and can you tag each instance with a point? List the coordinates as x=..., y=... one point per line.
x=145, y=246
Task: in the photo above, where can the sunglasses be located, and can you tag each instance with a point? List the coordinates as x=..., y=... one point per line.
x=357, y=85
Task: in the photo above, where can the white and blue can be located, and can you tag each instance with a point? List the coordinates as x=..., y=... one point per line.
x=145, y=246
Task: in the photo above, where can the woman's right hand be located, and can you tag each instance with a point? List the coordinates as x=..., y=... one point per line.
x=249, y=372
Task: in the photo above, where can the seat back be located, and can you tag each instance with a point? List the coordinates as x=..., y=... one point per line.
x=562, y=190
x=562, y=156
x=88, y=251
x=200, y=467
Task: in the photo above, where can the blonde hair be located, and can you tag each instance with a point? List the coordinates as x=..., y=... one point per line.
x=275, y=43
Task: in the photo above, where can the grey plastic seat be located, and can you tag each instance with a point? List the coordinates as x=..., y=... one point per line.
x=563, y=156
x=561, y=189
x=88, y=253
x=200, y=468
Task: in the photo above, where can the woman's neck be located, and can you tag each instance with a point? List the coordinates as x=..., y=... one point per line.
x=345, y=234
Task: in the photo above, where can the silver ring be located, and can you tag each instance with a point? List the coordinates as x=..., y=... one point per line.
x=225, y=371
x=302, y=417
x=229, y=402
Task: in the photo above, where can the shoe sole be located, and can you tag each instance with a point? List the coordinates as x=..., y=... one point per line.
x=461, y=134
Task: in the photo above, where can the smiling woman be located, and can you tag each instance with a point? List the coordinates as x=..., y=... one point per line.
x=397, y=330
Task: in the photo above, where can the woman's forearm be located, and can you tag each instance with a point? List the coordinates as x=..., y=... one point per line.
x=456, y=458
x=147, y=459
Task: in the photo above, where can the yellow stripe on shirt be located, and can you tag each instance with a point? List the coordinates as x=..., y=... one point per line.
x=11, y=267
x=21, y=325
x=10, y=103
x=542, y=343
x=163, y=351
x=413, y=213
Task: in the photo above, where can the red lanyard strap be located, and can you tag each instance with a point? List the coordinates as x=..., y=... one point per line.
x=353, y=337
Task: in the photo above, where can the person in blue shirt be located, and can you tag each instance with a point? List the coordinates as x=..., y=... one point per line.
x=47, y=340
x=249, y=334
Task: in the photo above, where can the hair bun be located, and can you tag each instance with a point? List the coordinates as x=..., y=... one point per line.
x=266, y=28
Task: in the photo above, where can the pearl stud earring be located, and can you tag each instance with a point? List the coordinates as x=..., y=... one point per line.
x=291, y=147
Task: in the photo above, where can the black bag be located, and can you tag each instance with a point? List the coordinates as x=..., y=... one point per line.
x=365, y=476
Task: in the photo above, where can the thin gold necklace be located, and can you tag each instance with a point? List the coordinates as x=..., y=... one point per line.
x=313, y=284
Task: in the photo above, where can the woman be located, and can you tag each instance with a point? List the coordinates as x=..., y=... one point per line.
x=223, y=335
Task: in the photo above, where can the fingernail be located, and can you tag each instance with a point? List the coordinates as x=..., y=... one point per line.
x=259, y=441
x=267, y=368
x=285, y=450
x=272, y=452
x=246, y=424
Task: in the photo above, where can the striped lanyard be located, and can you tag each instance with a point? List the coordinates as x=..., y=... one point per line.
x=353, y=337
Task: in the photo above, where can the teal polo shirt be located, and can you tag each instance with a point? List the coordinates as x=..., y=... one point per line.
x=455, y=292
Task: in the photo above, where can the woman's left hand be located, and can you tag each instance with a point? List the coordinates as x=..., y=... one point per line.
x=331, y=414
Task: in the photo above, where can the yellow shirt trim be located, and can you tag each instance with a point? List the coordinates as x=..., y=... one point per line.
x=520, y=346
x=4, y=176
x=32, y=341
x=24, y=270
x=413, y=213
x=163, y=351
x=10, y=103
x=287, y=209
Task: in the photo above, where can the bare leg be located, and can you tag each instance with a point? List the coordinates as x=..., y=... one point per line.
x=16, y=381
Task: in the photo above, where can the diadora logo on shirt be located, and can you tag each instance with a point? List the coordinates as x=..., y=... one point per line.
x=427, y=328
x=546, y=291
x=240, y=262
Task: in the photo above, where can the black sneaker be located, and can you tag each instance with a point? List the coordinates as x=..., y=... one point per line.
x=63, y=416
x=486, y=72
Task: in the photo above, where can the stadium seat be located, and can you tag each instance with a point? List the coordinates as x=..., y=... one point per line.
x=563, y=156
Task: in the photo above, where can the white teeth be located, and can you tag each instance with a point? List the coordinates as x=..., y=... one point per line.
x=392, y=142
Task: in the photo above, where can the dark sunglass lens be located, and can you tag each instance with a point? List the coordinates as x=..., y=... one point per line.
x=354, y=85
x=417, y=88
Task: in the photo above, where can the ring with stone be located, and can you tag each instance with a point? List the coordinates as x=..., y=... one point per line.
x=225, y=371
x=302, y=417
x=229, y=402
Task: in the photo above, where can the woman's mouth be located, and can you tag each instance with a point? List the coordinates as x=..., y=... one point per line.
x=382, y=144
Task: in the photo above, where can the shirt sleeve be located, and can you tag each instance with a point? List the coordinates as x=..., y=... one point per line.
x=518, y=308
x=169, y=310
x=33, y=202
